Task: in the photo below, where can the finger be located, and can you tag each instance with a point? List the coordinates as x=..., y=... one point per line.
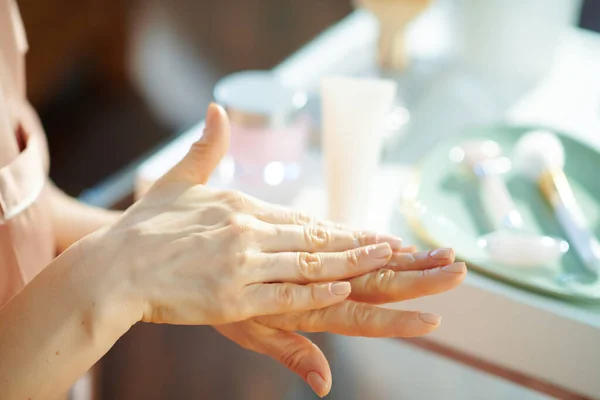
x=205, y=154
x=357, y=319
x=307, y=267
x=408, y=249
x=388, y=286
x=421, y=260
x=294, y=351
x=313, y=238
x=278, y=215
x=301, y=356
x=278, y=298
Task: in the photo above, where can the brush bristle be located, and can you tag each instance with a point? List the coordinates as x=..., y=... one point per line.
x=537, y=152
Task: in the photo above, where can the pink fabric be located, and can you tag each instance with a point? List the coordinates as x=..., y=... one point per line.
x=26, y=237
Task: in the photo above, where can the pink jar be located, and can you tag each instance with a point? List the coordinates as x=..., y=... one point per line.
x=269, y=127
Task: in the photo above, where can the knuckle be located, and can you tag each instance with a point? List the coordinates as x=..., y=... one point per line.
x=363, y=316
x=235, y=200
x=383, y=280
x=302, y=219
x=310, y=265
x=381, y=286
x=198, y=147
x=238, y=225
x=357, y=317
x=309, y=321
x=365, y=238
x=240, y=258
x=317, y=236
x=293, y=357
x=352, y=259
x=285, y=295
x=243, y=258
x=135, y=232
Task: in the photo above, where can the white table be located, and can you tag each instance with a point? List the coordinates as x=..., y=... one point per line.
x=541, y=337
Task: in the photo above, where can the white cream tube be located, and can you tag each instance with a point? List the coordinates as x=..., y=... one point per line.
x=354, y=112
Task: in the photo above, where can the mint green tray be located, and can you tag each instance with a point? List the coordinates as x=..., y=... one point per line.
x=443, y=209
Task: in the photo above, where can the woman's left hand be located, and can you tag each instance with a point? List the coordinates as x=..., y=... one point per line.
x=408, y=275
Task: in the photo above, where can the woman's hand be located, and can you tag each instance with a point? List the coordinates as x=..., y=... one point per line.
x=189, y=254
x=408, y=275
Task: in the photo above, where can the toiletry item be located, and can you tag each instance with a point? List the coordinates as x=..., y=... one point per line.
x=518, y=249
x=507, y=244
x=269, y=129
x=393, y=17
x=354, y=111
x=485, y=160
x=513, y=40
x=541, y=157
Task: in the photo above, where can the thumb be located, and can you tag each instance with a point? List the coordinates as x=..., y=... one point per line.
x=301, y=356
x=205, y=154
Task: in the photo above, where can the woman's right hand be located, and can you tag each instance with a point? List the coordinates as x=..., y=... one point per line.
x=189, y=254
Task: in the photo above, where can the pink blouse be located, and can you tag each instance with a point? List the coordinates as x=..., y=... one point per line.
x=26, y=238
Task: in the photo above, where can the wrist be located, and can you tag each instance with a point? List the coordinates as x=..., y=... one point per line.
x=102, y=284
x=58, y=326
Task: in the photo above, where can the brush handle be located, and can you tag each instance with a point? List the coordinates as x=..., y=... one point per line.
x=498, y=203
x=585, y=244
x=558, y=191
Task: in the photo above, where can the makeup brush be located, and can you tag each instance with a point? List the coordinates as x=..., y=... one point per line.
x=540, y=155
x=394, y=16
x=508, y=243
x=486, y=162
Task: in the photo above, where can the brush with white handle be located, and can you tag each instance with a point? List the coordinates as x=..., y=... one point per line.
x=541, y=157
x=485, y=160
x=508, y=243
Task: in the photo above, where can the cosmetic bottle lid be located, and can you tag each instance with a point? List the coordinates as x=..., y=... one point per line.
x=258, y=99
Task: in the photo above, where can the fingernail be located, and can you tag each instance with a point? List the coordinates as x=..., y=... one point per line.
x=395, y=243
x=456, y=268
x=317, y=384
x=340, y=288
x=379, y=251
x=431, y=319
x=440, y=254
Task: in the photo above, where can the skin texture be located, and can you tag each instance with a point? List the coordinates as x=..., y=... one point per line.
x=73, y=220
x=188, y=254
x=412, y=275
x=409, y=274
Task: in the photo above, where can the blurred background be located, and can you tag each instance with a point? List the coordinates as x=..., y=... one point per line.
x=137, y=72
x=113, y=80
